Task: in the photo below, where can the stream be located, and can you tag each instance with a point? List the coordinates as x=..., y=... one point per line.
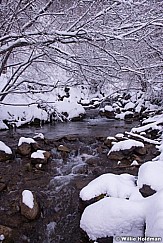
x=59, y=184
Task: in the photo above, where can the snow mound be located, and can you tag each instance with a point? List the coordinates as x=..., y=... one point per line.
x=154, y=215
x=71, y=108
x=113, y=217
x=5, y=148
x=120, y=186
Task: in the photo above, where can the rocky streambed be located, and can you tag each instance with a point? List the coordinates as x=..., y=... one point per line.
x=57, y=184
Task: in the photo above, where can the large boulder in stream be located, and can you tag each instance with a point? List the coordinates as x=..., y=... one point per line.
x=124, y=149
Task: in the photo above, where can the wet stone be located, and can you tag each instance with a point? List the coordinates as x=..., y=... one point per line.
x=63, y=148
x=6, y=231
x=30, y=213
x=2, y=186
x=146, y=191
x=4, y=156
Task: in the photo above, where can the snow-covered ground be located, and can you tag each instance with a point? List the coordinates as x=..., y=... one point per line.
x=64, y=103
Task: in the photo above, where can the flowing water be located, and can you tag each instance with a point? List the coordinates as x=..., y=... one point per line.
x=61, y=215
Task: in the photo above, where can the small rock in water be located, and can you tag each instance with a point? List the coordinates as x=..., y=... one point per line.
x=29, y=206
x=63, y=148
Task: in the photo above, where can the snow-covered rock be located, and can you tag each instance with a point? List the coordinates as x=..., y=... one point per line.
x=5, y=152
x=129, y=106
x=29, y=206
x=5, y=148
x=113, y=217
x=40, y=157
x=120, y=186
x=69, y=109
x=39, y=136
x=127, y=144
x=26, y=146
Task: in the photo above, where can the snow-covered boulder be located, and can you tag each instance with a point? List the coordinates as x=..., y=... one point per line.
x=120, y=186
x=29, y=206
x=129, y=106
x=107, y=111
x=109, y=141
x=5, y=152
x=123, y=149
x=113, y=217
x=39, y=136
x=26, y=146
x=69, y=110
x=40, y=157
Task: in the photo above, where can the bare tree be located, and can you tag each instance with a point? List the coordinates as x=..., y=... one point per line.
x=92, y=41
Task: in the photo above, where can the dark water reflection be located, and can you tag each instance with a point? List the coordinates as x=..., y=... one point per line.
x=87, y=127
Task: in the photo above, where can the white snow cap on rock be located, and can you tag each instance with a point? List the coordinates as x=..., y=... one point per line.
x=5, y=148
x=108, y=108
x=127, y=144
x=129, y=105
x=26, y=140
x=39, y=135
x=112, y=185
x=27, y=198
x=39, y=154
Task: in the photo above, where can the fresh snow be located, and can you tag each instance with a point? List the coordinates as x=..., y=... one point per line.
x=108, y=108
x=71, y=108
x=119, y=135
x=3, y=125
x=5, y=148
x=111, y=185
x=134, y=162
x=151, y=173
x=129, y=105
x=127, y=144
x=27, y=198
x=39, y=135
x=152, y=126
x=122, y=115
x=26, y=140
x=121, y=217
x=143, y=138
x=39, y=154
x=113, y=217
